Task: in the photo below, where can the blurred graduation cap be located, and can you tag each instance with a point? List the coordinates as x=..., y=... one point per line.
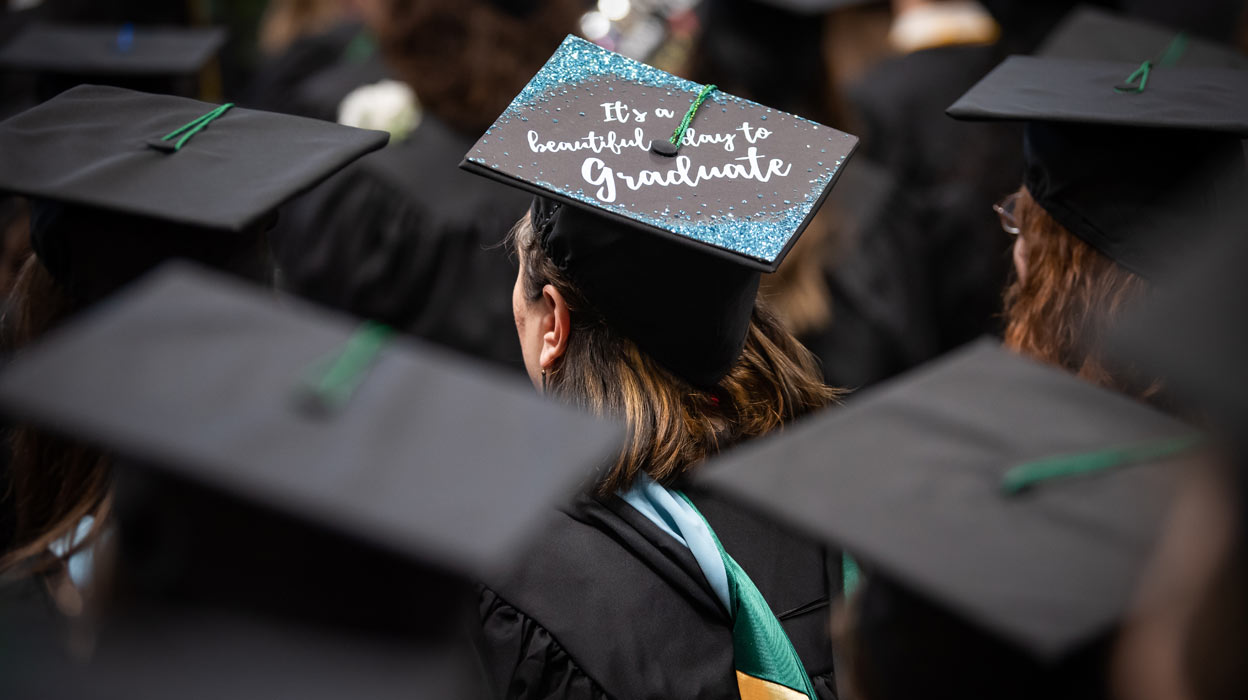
x=122, y=179
x=1014, y=494
x=120, y=50
x=292, y=470
x=1093, y=33
x=154, y=59
x=1129, y=157
x=655, y=192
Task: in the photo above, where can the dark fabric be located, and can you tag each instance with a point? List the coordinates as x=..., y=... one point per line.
x=1216, y=19
x=607, y=604
x=1137, y=195
x=928, y=273
x=887, y=301
x=408, y=239
x=706, y=300
x=312, y=76
x=321, y=95
x=523, y=660
x=93, y=253
x=945, y=657
x=8, y=508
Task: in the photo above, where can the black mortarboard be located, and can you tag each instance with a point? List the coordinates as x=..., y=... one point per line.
x=119, y=176
x=1130, y=158
x=948, y=480
x=686, y=229
x=278, y=402
x=111, y=50
x=1092, y=33
x=267, y=543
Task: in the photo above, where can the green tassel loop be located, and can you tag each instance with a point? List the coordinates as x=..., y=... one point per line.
x=194, y=126
x=1024, y=476
x=679, y=133
x=1141, y=74
x=332, y=381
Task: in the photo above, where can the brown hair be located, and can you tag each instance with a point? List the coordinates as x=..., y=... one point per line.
x=1071, y=293
x=671, y=426
x=54, y=482
x=467, y=59
x=284, y=21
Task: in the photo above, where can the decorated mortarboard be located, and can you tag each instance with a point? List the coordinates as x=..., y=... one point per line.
x=121, y=50
x=310, y=415
x=657, y=190
x=1097, y=34
x=121, y=178
x=1129, y=157
x=1019, y=497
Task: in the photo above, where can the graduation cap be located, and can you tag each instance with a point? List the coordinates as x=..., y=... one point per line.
x=656, y=192
x=123, y=179
x=1132, y=158
x=1015, y=495
x=296, y=471
x=1093, y=33
x=210, y=379
x=111, y=50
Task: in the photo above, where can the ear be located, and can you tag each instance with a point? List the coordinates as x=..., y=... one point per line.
x=556, y=328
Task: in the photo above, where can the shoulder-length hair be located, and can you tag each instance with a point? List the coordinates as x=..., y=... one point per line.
x=1071, y=294
x=670, y=425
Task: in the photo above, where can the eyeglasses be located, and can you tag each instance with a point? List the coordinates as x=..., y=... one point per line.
x=1005, y=210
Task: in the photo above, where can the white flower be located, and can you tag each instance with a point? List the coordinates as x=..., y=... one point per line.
x=389, y=105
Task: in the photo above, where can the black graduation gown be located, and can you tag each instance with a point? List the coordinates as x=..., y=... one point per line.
x=884, y=313
x=608, y=605
x=405, y=237
x=948, y=173
x=313, y=75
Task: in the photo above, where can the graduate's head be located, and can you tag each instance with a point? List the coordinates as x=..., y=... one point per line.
x=674, y=419
x=1128, y=167
x=465, y=59
x=1064, y=295
x=660, y=204
x=121, y=181
x=1189, y=625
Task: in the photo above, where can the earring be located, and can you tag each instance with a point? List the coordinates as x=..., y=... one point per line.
x=543, y=381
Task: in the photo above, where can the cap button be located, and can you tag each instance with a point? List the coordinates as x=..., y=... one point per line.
x=663, y=147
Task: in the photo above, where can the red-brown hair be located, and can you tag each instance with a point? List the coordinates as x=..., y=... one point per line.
x=1059, y=311
x=467, y=59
